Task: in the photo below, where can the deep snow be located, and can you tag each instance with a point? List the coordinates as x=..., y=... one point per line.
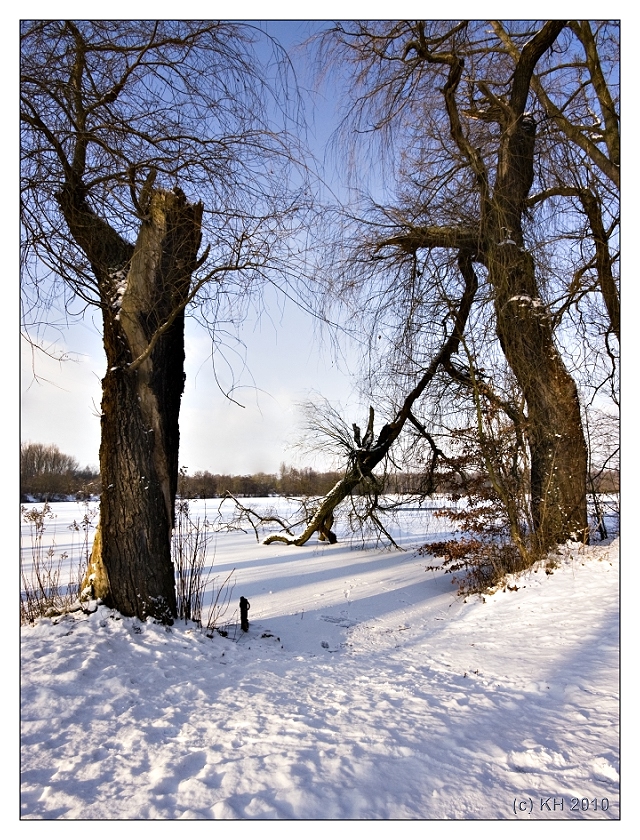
x=365, y=688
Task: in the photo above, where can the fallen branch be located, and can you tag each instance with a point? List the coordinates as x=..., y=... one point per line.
x=365, y=458
x=248, y=514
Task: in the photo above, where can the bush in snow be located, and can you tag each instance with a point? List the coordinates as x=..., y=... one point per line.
x=42, y=572
x=191, y=538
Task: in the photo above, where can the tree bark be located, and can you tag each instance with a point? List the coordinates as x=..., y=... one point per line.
x=558, y=453
x=143, y=299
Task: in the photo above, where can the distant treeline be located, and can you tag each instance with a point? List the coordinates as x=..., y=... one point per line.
x=288, y=482
x=294, y=482
x=46, y=474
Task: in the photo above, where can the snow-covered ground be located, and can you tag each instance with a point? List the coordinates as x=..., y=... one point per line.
x=365, y=688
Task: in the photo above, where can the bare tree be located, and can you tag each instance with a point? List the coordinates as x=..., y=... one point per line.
x=142, y=141
x=44, y=459
x=496, y=177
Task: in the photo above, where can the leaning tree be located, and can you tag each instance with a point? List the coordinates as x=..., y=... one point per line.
x=142, y=142
x=502, y=142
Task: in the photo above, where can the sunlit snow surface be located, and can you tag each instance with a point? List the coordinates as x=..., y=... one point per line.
x=365, y=688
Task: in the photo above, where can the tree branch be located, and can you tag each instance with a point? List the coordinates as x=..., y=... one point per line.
x=531, y=53
x=606, y=166
x=363, y=462
x=611, y=119
x=456, y=237
x=608, y=286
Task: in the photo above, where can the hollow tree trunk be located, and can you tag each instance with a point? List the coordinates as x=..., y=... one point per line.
x=143, y=304
x=557, y=448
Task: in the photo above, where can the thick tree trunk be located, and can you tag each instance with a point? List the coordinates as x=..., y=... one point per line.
x=130, y=566
x=558, y=452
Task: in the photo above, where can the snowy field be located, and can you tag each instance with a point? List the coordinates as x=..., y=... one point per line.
x=365, y=688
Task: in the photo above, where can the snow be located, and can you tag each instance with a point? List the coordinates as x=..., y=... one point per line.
x=365, y=688
x=526, y=300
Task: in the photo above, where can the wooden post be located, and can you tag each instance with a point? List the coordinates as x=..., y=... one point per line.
x=245, y=606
